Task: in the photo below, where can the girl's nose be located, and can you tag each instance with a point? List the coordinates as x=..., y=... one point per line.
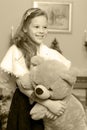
x=41, y=30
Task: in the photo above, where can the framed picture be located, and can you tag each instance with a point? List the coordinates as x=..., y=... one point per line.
x=59, y=15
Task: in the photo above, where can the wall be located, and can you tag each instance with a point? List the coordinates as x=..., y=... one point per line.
x=71, y=44
x=10, y=15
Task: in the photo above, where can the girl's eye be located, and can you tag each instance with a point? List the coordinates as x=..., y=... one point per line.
x=45, y=27
x=36, y=26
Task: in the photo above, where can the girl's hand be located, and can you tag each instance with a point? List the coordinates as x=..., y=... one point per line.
x=40, y=112
x=56, y=107
x=50, y=115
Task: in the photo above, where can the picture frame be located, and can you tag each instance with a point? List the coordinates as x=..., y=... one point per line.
x=59, y=15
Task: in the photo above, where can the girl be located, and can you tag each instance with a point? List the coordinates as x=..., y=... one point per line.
x=27, y=42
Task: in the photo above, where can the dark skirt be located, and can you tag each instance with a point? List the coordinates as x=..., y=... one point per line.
x=19, y=117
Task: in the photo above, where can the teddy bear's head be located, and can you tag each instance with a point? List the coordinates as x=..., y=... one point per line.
x=51, y=79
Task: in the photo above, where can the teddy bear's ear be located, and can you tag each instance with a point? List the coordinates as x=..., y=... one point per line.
x=36, y=60
x=69, y=76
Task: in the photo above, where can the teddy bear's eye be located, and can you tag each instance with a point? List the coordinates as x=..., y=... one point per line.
x=50, y=89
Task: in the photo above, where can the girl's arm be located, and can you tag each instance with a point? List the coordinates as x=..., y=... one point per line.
x=55, y=106
x=23, y=88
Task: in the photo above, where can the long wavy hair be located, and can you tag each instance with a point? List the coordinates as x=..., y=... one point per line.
x=22, y=39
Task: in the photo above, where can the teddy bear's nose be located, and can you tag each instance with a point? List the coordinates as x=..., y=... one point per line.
x=39, y=91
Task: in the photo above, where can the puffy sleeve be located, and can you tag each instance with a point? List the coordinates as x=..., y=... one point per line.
x=6, y=64
x=14, y=62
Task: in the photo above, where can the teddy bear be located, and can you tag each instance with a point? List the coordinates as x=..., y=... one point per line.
x=50, y=79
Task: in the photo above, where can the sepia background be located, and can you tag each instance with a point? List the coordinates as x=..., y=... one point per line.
x=72, y=45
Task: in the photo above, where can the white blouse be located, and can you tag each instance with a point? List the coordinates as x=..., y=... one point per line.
x=14, y=62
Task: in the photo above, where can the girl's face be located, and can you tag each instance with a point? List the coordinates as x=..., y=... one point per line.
x=37, y=29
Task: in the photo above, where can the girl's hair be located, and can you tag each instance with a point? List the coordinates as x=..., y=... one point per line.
x=21, y=38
